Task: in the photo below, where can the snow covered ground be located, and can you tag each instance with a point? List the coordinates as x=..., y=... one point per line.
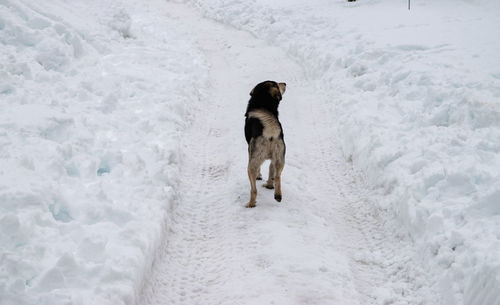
x=117, y=185
x=324, y=244
x=415, y=99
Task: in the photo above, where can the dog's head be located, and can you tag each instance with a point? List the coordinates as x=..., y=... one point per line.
x=269, y=88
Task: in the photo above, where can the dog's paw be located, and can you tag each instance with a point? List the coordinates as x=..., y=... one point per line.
x=268, y=186
x=277, y=197
x=250, y=205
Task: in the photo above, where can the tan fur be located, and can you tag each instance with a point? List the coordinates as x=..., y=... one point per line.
x=282, y=87
x=271, y=125
x=261, y=149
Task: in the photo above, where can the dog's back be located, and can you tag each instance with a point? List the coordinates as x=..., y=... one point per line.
x=264, y=135
x=261, y=122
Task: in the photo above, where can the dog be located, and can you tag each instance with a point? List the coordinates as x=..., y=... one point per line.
x=264, y=136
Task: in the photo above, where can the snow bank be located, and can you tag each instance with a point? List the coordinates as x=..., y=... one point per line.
x=416, y=99
x=93, y=98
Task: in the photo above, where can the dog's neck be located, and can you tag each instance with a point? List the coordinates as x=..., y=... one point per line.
x=266, y=103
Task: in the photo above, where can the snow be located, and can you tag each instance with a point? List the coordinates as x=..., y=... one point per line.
x=94, y=100
x=414, y=97
x=102, y=140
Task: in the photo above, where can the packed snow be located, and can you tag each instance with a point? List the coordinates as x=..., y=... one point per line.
x=96, y=97
x=415, y=97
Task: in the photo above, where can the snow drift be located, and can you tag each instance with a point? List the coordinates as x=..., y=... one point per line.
x=93, y=101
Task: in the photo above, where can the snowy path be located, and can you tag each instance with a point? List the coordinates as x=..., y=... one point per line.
x=325, y=243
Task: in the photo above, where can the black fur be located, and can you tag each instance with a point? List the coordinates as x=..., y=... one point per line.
x=253, y=128
x=261, y=98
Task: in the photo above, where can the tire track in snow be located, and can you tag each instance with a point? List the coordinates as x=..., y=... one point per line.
x=319, y=246
x=381, y=254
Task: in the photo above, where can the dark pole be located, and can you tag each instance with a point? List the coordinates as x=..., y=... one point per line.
x=408, y=4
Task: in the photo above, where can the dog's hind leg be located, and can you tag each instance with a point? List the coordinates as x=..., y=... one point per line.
x=277, y=180
x=270, y=181
x=254, y=163
x=259, y=175
x=253, y=168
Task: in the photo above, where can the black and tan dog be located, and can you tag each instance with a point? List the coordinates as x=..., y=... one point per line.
x=264, y=136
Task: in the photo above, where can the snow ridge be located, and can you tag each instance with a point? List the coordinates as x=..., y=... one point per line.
x=93, y=103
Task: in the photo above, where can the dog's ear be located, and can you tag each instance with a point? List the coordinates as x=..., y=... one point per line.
x=251, y=92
